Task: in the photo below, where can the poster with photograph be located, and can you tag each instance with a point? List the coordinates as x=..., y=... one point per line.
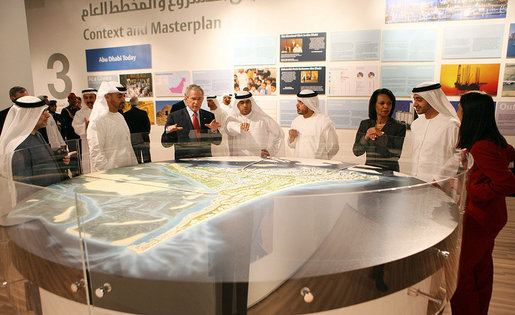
x=163, y=109
x=94, y=81
x=505, y=117
x=147, y=106
x=508, y=83
x=303, y=47
x=137, y=84
x=403, y=112
x=511, y=42
x=259, y=81
x=461, y=78
x=295, y=79
x=171, y=83
x=352, y=80
x=416, y=11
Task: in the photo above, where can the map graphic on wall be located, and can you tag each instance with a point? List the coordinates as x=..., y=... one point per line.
x=137, y=84
x=461, y=78
x=415, y=11
x=171, y=83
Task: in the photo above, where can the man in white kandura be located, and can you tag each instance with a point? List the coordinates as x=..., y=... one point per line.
x=80, y=126
x=108, y=135
x=221, y=113
x=312, y=134
x=251, y=131
x=435, y=134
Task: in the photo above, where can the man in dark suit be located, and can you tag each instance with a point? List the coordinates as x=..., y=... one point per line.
x=14, y=93
x=192, y=130
x=139, y=125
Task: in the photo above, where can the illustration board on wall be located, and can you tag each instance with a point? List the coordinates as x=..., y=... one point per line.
x=137, y=84
x=458, y=79
x=259, y=81
x=171, y=83
x=147, y=106
x=163, y=109
x=504, y=114
x=508, y=83
x=295, y=79
x=352, y=80
x=510, y=53
x=94, y=81
x=417, y=11
x=303, y=47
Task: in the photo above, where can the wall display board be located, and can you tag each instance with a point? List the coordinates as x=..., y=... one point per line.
x=255, y=50
x=268, y=105
x=473, y=41
x=508, y=84
x=288, y=110
x=119, y=58
x=214, y=82
x=409, y=45
x=352, y=80
x=303, y=47
x=355, y=45
x=403, y=112
x=163, y=109
x=259, y=81
x=94, y=81
x=460, y=78
x=147, y=106
x=137, y=84
x=347, y=113
x=505, y=117
x=415, y=11
x=402, y=79
x=510, y=53
x=295, y=79
x=171, y=83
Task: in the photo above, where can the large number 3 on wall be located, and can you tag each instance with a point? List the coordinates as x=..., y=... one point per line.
x=61, y=75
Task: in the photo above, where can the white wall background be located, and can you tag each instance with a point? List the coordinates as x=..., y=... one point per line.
x=56, y=26
x=15, y=64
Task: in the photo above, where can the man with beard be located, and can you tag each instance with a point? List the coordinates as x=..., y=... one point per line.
x=251, y=131
x=80, y=126
x=312, y=134
x=109, y=138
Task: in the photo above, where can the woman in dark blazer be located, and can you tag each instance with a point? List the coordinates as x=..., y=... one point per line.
x=381, y=137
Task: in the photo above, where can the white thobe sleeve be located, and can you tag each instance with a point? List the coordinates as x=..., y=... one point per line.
x=96, y=142
x=276, y=137
x=331, y=141
x=78, y=124
x=450, y=167
x=232, y=126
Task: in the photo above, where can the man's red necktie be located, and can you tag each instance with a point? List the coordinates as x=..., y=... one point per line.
x=196, y=125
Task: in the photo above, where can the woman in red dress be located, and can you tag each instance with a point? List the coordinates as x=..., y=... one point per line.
x=490, y=181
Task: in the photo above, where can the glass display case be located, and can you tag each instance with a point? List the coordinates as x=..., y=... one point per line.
x=236, y=235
